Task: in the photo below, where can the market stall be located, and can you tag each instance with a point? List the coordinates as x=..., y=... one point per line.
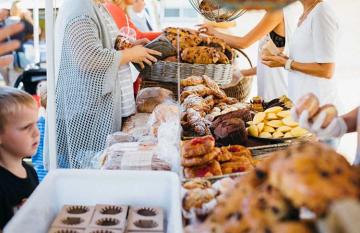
x=215, y=158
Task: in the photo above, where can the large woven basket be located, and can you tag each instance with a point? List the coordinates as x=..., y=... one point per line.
x=168, y=72
x=164, y=74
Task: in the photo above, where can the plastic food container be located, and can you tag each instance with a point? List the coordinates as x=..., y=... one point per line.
x=91, y=187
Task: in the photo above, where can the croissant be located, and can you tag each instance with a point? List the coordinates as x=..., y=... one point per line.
x=214, y=87
x=192, y=81
x=199, y=90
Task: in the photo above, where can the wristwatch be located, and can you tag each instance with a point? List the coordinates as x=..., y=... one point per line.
x=288, y=64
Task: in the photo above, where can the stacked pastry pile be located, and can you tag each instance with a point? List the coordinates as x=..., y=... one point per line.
x=202, y=101
x=268, y=199
x=200, y=158
x=275, y=123
x=195, y=49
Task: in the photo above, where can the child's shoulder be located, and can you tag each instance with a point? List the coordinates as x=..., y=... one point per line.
x=30, y=171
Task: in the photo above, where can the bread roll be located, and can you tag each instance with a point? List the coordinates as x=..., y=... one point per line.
x=308, y=102
x=149, y=98
x=331, y=113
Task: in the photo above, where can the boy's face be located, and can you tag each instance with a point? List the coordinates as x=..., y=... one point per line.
x=20, y=137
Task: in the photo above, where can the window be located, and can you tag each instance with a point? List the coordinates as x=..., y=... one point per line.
x=172, y=12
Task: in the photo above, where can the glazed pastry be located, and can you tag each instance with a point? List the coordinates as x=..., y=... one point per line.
x=199, y=161
x=242, y=164
x=224, y=156
x=314, y=176
x=238, y=151
x=197, y=183
x=192, y=81
x=200, y=55
x=196, y=198
x=213, y=168
x=198, y=123
x=197, y=147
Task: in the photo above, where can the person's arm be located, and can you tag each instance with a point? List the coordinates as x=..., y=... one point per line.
x=249, y=72
x=268, y=23
x=6, y=47
x=321, y=70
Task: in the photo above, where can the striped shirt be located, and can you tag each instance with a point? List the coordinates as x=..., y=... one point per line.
x=124, y=74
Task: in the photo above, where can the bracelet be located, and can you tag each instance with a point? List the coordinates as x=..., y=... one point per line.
x=288, y=64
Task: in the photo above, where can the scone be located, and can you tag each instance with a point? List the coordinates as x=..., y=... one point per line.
x=314, y=176
x=200, y=55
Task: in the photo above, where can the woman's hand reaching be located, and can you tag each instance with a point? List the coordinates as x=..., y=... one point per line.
x=140, y=55
x=207, y=29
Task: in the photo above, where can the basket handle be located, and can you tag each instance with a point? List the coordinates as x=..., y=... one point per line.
x=235, y=82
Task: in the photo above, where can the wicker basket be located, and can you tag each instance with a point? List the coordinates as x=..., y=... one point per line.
x=168, y=72
x=241, y=91
x=164, y=74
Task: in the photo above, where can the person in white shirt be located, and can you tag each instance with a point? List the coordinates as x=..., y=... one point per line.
x=276, y=27
x=312, y=54
x=140, y=16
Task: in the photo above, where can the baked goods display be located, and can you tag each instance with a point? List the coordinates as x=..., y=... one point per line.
x=200, y=158
x=269, y=198
x=202, y=101
x=275, y=123
x=108, y=218
x=197, y=49
x=148, y=98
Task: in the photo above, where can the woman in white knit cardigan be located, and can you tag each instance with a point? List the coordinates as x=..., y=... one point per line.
x=93, y=89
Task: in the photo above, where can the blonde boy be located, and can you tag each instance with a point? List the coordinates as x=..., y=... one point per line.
x=19, y=138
